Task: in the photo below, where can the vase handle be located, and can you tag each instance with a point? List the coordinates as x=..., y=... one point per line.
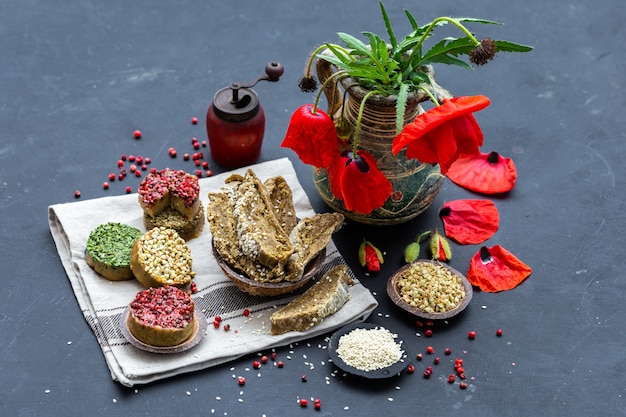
x=332, y=91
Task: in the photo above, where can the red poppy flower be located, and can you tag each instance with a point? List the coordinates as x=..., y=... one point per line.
x=496, y=269
x=357, y=181
x=312, y=136
x=488, y=173
x=442, y=133
x=470, y=221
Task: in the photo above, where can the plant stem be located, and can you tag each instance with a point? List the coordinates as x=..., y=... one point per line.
x=429, y=93
x=432, y=26
x=314, y=55
x=357, y=128
x=341, y=73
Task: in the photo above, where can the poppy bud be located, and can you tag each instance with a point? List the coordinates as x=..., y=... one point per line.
x=440, y=247
x=412, y=251
x=370, y=256
x=344, y=129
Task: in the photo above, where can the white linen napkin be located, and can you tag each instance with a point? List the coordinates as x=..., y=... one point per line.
x=103, y=302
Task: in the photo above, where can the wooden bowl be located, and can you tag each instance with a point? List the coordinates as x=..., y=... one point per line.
x=269, y=289
x=394, y=293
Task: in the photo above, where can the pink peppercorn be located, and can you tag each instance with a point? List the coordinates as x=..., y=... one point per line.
x=273, y=356
x=472, y=335
x=111, y=177
x=410, y=369
x=264, y=359
x=77, y=194
x=280, y=364
x=123, y=157
x=186, y=157
x=303, y=402
x=303, y=378
x=317, y=404
x=451, y=378
x=436, y=360
x=256, y=364
x=196, y=145
x=499, y=332
x=120, y=163
x=428, y=333
x=105, y=185
x=137, y=134
x=129, y=190
x=430, y=349
x=463, y=385
x=194, y=120
x=227, y=327
x=241, y=380
x=447, y=351
x=246, y=312
x=137, y=173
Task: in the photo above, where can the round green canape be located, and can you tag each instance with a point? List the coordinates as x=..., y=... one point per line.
x=108, y=250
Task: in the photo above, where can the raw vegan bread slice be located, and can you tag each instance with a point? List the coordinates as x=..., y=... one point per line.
x=309, y=237
x=281, y=197
x=321, y=300
x=222, y=224
x=260, y=234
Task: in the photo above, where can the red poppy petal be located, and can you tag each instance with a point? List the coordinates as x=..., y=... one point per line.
x=484, y=173
x=334, y=171
x=363, y=192
x=496, y=269
x=470, y=221
x=436, y=146
x=433, y=118
x=312, y=136
x=371, y=259
x=469, y=136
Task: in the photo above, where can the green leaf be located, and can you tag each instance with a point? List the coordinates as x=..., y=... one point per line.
x=475, y=20
x=412, y=20
x=392, y=36
x=403, y=95
x=446, y=50
x=354, y=43
x=506, y=46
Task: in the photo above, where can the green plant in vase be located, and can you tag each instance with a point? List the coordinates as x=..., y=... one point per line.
x=400, y=70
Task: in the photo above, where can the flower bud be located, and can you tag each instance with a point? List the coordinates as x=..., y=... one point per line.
x=411, y=252
x=370, y=256
x=440, y=247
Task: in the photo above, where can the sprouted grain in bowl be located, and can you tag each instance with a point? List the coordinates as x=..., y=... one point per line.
x=430, y=287
x=369, y=349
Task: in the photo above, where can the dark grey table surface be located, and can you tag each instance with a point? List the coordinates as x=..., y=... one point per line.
x=77, y=78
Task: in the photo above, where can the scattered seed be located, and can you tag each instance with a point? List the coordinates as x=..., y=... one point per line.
x=105, y=185
x=471, y=334
x=499, y=332
x=410, y=369
x=194, y=120
x=137, y=134
x=77, y=194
